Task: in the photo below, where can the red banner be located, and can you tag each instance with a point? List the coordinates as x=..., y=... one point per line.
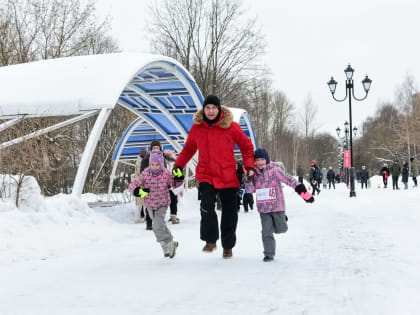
x=347, y=158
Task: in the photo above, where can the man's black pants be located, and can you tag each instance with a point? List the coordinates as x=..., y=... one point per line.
x=209, y=226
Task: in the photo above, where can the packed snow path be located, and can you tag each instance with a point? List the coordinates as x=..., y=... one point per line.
x=340, y=256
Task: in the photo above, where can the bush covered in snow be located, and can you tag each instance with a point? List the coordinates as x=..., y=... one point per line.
x=23, y=191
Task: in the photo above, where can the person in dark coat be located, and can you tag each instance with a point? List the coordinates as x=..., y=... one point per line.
x=337, y=178
x=214, y=134
x=359, y=176
x=241, y=177
x=414, y=171
x=395, y=171
x=405, y=174
x=248, y=201
x=314, y=174
x=385, y=174
x=331, y=178
x=364, y=176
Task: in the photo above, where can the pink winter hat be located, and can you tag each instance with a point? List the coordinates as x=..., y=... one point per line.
x=156, y=156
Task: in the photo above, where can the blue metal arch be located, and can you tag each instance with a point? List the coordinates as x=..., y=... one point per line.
x=164, y=97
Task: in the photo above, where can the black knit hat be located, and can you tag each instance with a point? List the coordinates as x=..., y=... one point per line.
x=212, y=99
x=262, y=153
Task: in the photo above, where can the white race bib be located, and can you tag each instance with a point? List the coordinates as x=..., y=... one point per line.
x=265, y=194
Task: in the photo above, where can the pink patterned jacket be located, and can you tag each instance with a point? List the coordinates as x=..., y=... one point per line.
x=158, y=184
x=269, y=180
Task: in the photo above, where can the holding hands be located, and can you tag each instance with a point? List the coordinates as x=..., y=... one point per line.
x=249, y=176
x=178, y=173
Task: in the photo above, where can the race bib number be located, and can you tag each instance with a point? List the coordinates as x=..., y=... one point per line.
x=266, y=194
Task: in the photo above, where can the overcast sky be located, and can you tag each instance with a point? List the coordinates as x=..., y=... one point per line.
x=308, y=41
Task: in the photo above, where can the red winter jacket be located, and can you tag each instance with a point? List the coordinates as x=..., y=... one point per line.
x=216, y=145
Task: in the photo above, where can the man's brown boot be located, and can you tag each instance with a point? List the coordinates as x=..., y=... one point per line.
x=174, y=219
x=227, y=253
x=209, y=247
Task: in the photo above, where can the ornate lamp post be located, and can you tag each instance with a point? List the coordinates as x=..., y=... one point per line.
x=332, y=84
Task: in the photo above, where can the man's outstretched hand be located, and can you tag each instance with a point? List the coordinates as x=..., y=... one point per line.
x=178, y=173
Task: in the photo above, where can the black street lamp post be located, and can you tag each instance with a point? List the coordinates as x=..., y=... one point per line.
x=332, y=84
x=345, y=141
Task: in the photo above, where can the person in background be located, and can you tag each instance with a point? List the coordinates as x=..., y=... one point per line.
x=313, y=177
x=337, y=178
x=324, y=178
x=300, y=173
x=240, y=173
x=405, y=174
x=140, y=212
x=248, y=200
x=385, y=174
x=364, y=176
x=267, y=184
x=414, y=171
x=331, y=178
x=359, y=176
x=395, y=171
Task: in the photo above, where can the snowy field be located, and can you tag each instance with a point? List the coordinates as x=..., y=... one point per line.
x=340, y=256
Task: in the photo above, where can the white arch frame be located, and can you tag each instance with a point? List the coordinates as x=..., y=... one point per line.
x=41, y=88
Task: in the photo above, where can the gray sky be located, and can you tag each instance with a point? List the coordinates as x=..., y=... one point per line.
x=308, y=41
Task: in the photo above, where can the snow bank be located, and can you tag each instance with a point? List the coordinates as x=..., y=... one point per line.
x=42, y=224
x=29, y=194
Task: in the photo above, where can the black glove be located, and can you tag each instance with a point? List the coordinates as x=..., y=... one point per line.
x=300, y=189
x=178, y=173
x=302, y=192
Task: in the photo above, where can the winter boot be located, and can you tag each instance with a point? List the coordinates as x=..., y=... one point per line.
x=209, y=247
x=165, y=249
x=174, y=219
x=227, y=253
x=173, y=245
x=268, y=259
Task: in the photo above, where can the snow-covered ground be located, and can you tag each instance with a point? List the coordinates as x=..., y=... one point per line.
x=340, y=256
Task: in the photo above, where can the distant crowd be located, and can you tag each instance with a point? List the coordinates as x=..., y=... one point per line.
x=317, y=176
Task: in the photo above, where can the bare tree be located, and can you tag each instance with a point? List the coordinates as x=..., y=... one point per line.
x=309, y=116
x=281, y=114
x=408, y=121
x=43, y=29
x=210, y=39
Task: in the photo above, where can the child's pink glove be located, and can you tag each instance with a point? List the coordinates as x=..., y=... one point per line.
x=307, y=197
x=301, y=191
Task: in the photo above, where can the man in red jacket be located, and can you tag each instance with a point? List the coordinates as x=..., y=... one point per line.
x=214, y=135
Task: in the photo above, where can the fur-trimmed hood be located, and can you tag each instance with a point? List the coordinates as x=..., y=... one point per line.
x=226, y=117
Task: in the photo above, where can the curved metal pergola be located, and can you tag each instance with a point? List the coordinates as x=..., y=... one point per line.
x=158, y=89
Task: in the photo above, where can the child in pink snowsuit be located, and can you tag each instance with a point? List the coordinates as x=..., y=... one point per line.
x=266, y=183
x=153, y=184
